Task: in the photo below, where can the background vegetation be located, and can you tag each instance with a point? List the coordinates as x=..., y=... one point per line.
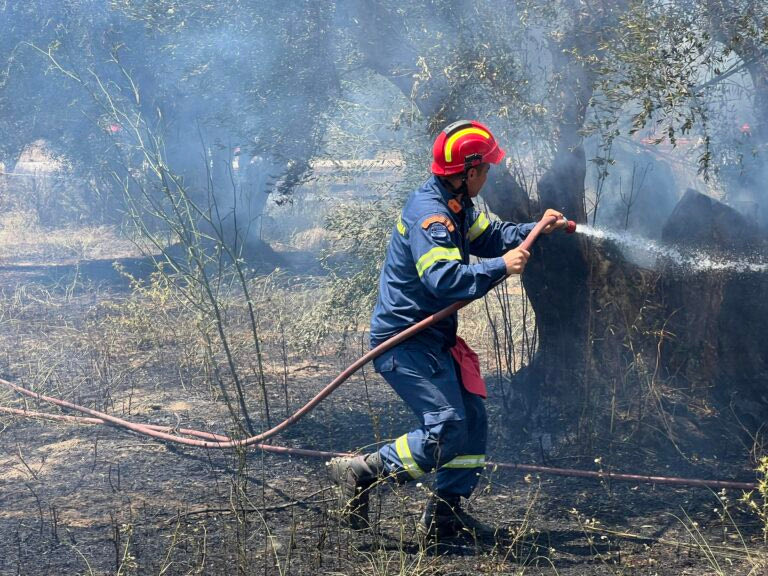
x=244, y=163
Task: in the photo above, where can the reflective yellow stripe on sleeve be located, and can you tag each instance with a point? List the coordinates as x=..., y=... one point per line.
x=404, y=452
x=478, y=226
x=400, y=226
x=467, y=461
x=435, y=255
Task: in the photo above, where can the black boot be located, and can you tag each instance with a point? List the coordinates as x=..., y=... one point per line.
x=354, y=477
x=444, y=518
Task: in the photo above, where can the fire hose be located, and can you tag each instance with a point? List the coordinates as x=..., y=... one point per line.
x=210, y=440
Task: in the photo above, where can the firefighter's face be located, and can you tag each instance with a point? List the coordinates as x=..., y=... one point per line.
x=476, y=179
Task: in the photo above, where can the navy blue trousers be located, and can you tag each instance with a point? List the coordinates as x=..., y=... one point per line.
x=454, y=427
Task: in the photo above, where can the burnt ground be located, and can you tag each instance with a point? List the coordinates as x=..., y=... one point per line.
x=79, y=499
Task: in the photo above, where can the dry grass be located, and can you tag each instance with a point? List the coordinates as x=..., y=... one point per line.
x=23, y=241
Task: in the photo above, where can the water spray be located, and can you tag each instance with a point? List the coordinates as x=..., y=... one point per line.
x=647, y=253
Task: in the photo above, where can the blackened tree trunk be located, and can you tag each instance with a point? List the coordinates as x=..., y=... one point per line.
x=556, y=277
x=556, y=283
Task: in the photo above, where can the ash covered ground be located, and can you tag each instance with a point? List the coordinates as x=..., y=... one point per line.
x=79, y=499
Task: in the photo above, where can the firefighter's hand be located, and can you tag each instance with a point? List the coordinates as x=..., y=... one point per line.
x=516, y=260
x=559, y=224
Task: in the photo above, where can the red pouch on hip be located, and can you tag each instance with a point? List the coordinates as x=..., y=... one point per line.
x=469, y=364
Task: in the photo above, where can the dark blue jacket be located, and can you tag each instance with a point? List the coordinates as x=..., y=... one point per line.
x=427, y=265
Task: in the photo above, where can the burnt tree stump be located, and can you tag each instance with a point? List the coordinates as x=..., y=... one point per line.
x=664, y=356
x=720, y=315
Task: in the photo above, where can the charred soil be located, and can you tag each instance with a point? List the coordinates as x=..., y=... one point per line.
x=80, y=499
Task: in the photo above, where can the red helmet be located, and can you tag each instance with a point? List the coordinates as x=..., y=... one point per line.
x=463, y=145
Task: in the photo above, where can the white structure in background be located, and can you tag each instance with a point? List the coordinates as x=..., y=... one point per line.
x=360, y=179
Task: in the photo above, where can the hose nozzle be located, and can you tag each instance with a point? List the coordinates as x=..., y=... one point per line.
x=570, y=226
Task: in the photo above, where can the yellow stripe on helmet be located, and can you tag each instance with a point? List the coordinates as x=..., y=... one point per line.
x=459, y=134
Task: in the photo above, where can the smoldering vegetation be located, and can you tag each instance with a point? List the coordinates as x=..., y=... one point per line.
x=195, y=200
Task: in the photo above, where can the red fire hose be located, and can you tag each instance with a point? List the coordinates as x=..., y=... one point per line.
x=210, y=440
x=599, y=475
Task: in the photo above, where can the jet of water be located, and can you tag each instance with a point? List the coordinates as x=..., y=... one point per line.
x=649, y=253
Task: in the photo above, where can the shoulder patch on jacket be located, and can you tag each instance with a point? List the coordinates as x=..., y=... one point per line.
x=438, y=219
x=438, y=231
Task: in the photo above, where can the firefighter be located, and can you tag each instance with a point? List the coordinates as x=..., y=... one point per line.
x=427, y=268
